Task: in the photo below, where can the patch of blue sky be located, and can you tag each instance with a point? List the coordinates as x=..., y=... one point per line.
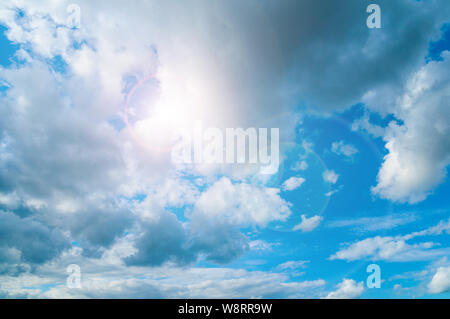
x=359, y=110
x=58, y=64
x=437, y=47
x=7, y=48
x=117, y=122
x=76, y=244
x=78, y=45
x=4, y=86
x=355, y=177
x=181, y=212
x=140, y=197
x=445, y=295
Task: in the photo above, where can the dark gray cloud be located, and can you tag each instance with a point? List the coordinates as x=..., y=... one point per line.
x=162, y=240
x=35, y=242
x=219, y=244
x=98, y=227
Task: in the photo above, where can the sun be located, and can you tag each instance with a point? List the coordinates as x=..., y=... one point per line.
x=178, y=105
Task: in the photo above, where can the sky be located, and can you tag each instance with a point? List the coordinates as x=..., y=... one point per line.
x=93, y=205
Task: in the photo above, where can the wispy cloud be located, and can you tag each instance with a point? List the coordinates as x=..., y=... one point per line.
x=342, y=148
x=396, y=248
x=370, y=224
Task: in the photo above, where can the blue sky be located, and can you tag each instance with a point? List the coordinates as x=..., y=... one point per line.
x=88, y=104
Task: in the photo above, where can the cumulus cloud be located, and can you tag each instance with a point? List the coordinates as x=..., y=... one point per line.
x=330, y=176
x=293, y=183
x=218, y=242
x=347, y=289
x=161, y=241
x=440, y=282
x=308, y=224
x=224, y=208
x=241, y=204
x=419, y=148
x=27, y=240
x=213, y=226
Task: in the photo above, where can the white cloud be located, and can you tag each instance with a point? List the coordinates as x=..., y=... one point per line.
x=419, y=148
x=440, y=282
x=369, y=224
x=106, y=278
x=332, y=192
x=293, y=183
x=293, y=264
x=341, y=148
x=395, y=248
x=385, y=248
x=215, y=283
x=308, y=224
x=242, y=204
x=300, y=166
x=347, y=289
x=364, y=124
x=261, y=245
x=330, y=176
